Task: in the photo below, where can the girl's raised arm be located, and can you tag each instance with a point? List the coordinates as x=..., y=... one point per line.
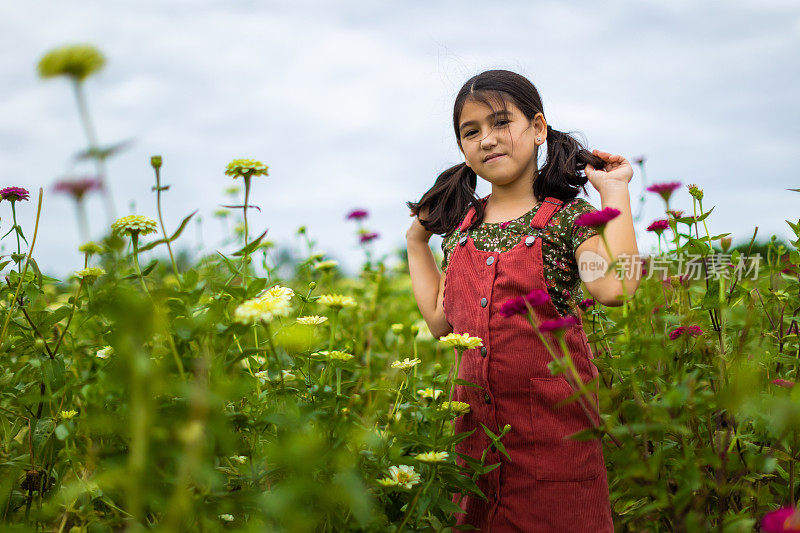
x=426, y=280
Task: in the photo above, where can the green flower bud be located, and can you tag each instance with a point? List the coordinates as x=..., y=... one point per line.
x=725, y=243
x=156, y=161
x=397, y=329
x=696, y=191
x=312, y=285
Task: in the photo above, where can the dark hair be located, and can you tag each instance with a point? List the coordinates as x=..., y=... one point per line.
x=454, y=190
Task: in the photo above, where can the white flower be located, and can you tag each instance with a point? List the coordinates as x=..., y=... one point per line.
x=430, y=394
x=406, y=363
x=432, y=457
x=262, y=309
x=324, y=266
x=337, y=301
x=333, y=355
x=460, y=341
x=456, y=408
x=312, y=320
x=242, y=459
x=105, y=352
x=227, y=517
x=402, y=475
x=277, y=292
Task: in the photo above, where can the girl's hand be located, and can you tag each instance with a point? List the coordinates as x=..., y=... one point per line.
x=618, y=172
x=417, y=231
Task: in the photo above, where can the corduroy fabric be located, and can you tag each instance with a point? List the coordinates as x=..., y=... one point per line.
x=551, y=484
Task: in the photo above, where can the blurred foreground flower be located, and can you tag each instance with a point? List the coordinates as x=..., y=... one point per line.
x=135, y=225
x=325, y=266
x=559, y=324
x=333, y=355
x=77, y=188
x=597, y=219
x=273, y=303
x=518, y=305
x=90, y=274
x=312, y=320
x=783, y=520
x=367, y=237
x=337, y=301
x=78, y=61
x=14, y=194
x=357, y=214
x=432, y=457
x=785, y=383
x=664, y=190
x=460, y=341
x=90, y=248
x=105, y=352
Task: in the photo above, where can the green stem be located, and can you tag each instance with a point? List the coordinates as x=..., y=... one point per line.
x=135, y=242
x=16, y=231
x=245, y=256
x=163, y=228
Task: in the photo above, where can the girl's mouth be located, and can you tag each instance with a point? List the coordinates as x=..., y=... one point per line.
x=494, y=158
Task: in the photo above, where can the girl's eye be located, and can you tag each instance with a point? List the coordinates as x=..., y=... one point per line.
x=502, y=122
x=470, y=132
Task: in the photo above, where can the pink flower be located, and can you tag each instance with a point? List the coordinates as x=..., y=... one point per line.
x=783, y=520
x=14, y=194
x=692, y=331
x=658, y=226
x=639, y=160
x=366, y=237
x=675, y=213
x=597, y=219
x=558, y=324
x=664, y=189
x=357, y=214
x=677, y=332
x=587, y=303
x=77, y=187
x=517, y=306
x=785, y=383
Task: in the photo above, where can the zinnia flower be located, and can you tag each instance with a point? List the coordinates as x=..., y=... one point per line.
x=77, y=187
x=432, y=457
x=277, y=292
x=261, y=309
x=14, y=194
x=693, y=331
x=696, y=191
x=105, y=352
x=429, y=393
x=517, y=306
x=664, y=189
x=587, y=303
x=66, y=415
x=783, y=520
x=357, y=214
x=90, y=248
x=403, y=476
x=324, y=266
x=227, y=517
x=658, y=226
x=333, y=355
x=461, y=341
x=246, y=168
x=366, y=237
x=134, y=225
x=597, y=219
x=558, y=324
x=456, y=408
x=785, y=383
x=337, y=301
x=406, y=363
x=312, y=320
x=90, y=274
x=77, y=61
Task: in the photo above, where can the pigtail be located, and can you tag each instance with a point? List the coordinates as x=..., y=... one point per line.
x=448, y=200
x=562, y=176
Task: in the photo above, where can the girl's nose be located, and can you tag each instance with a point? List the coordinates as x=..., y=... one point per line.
x=489, y=141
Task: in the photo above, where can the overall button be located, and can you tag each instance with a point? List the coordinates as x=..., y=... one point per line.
x=490, y=260
x=483, y=351
x=484, y=301
x=463, y=240
x=486, y=398
x=494, y=448
x=529, y=240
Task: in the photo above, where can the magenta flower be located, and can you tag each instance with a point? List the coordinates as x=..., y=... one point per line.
x=78, y=187
x=692, y=331
x=597, y=219
x=357, y=214
x=783, y=520
x=366, y=237
x=517, y=306
x=664, y=189
x=14, y=194
x=639, y=160
x=504, y=225
x=558, y=324
x=587, y=303
x=658, y=226
x=785, y=383
x=677, y=332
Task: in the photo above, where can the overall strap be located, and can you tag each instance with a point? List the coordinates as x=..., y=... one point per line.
x=470, y=216
x=549, y=207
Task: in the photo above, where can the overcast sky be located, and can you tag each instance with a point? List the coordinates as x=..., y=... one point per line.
x=350, y=103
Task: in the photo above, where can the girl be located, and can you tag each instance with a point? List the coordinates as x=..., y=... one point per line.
x=518, y=239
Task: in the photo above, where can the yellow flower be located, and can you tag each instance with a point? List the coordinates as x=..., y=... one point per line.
x=325, y=266
x=430, y=394
x=406, y=363
x=77, y=61
x=432, y=457
x=90, y=274
x=460, y=341
x=105, y=352
x=334, y=355
x=261, y=309
x=337, y=301
x=313, y=320
x=90, y=248
x=397, y=329
x=402, y=475
x=246, y=168
x=457, y=408
x=135, y=224
x=277, y=292
x=66, y=415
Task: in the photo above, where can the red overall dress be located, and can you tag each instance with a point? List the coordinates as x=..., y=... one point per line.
x=551, y=484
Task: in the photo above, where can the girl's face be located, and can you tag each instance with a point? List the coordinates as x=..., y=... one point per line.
x=500, y=147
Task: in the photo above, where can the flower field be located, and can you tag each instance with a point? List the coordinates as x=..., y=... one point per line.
x=146, y=393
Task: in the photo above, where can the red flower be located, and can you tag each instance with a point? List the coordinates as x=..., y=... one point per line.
x=597, y=219
x=664, y=189
x=658, y=226
x=14, y=194
x=587, y=303
x=357, y=214
x=517, y=306
x=558, y=324
x=693, y=331
x=783, y=520
x=77, y=187
x=366, y=237
x=785, y=383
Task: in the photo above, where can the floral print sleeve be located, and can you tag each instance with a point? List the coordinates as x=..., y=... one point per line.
x=574, y=209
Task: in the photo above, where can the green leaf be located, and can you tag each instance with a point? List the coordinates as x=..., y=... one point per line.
x=175, y=235
x=54, y=371
x=252, y=246
x=467, y=383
